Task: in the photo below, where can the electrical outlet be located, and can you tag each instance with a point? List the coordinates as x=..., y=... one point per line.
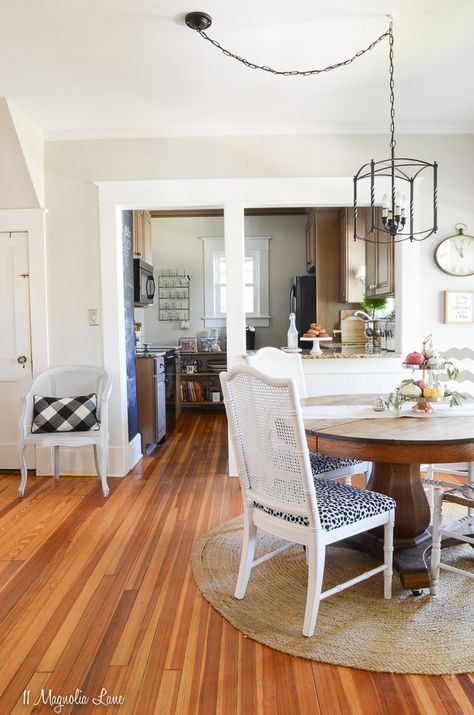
x=93, y=316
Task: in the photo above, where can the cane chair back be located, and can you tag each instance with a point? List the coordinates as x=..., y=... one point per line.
x=277, y=472
x=277, y=363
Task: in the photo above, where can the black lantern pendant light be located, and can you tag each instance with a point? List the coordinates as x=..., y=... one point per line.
x=388, y=213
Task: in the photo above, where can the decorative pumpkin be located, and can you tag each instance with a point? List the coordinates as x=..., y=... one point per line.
x=436, y=362
x=409, y=389
x=414, y=358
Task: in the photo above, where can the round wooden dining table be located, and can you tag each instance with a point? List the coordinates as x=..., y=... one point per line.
x=397, y=446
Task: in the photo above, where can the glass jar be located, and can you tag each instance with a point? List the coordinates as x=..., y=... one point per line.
x=292, y=335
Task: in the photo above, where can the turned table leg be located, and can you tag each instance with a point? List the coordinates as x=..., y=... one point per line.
x=412, y=517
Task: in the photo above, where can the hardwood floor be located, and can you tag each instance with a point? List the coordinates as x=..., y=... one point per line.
x=98, y=594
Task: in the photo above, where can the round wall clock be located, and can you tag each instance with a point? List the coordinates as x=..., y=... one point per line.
x=455, y=254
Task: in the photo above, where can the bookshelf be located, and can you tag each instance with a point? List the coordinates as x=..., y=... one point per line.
x=197, y=388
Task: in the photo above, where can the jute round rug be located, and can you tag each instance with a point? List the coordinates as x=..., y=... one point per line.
x=357, y=627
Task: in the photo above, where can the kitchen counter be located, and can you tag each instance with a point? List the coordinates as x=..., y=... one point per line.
x=350, y=353
x=158, y=351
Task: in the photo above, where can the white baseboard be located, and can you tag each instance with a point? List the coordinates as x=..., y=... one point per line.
x=9, y=456
x=134, y=451
x=78, y=461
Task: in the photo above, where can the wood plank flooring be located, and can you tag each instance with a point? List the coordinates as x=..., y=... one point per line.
x=97, y=595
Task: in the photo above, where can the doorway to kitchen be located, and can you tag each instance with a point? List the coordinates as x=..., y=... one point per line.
x=233, y=196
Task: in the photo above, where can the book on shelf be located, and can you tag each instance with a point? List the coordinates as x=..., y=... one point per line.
x=192, y=391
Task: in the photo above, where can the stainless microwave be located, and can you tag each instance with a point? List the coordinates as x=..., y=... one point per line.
x=143, y=282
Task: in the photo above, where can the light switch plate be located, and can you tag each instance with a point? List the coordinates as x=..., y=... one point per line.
x=93, y=316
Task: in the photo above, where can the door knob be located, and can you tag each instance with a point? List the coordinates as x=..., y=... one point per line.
x=22, y=359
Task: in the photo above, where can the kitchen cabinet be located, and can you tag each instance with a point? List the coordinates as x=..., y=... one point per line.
x=151, y=400
x=310, y=233
x=328, y=267
x=379, y=263
x=142, y=236
x=352, y=256
x=323, y=258
x=200, y=384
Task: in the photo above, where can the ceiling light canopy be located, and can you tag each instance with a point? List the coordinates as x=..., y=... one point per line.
x=198, y=20
x=390, y=182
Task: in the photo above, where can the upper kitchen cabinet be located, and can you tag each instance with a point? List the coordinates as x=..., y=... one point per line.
x=310, y=232
x=352, y=257
x=379, y=261
x=142, y=236
x=328, y=262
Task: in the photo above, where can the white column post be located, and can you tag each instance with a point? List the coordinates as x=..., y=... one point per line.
x=113, y=334
x=234, y=255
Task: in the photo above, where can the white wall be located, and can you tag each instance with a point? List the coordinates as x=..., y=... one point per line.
x=18, y=158
x=455, y=156
x=71, y=199
x=287, y=259
x=31, y=141
x=176, y=244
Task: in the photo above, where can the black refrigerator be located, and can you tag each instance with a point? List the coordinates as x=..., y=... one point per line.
x=303, y=303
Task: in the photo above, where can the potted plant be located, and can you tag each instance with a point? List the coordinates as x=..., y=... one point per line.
x=372, y=304
x=372, y=330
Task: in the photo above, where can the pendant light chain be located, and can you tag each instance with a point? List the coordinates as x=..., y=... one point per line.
x=392, y=219
x=292, y=73
x=392, y=93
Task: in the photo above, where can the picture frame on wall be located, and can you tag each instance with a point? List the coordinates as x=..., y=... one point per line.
x=458, y=306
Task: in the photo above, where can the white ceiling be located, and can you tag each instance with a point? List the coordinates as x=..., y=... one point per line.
x=111, y=68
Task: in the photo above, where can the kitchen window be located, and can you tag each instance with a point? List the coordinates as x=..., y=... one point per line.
x=256, y=279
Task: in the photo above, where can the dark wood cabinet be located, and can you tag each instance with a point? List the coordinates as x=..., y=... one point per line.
x=380, y=265
x=151, y=400
x=353, y=259
x=328, y=262
x=310, y=233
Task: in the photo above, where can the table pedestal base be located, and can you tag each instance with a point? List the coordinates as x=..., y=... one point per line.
x=411, y=565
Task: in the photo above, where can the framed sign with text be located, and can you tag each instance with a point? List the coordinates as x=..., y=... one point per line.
x=458, y=306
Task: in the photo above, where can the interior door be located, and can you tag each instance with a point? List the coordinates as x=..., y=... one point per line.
x=15, y=343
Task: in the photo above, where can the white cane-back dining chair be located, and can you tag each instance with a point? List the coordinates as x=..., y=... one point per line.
x=280, y=494
x=463, y=359
x=461, y=529
x=277, y=363
x=81, y=394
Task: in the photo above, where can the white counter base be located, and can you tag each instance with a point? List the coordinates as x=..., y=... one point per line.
x=340, y=376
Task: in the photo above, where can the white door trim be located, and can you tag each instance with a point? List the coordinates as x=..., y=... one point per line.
x=234, y=195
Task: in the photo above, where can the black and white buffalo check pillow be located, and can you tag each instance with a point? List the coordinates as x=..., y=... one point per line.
x=65, y=414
